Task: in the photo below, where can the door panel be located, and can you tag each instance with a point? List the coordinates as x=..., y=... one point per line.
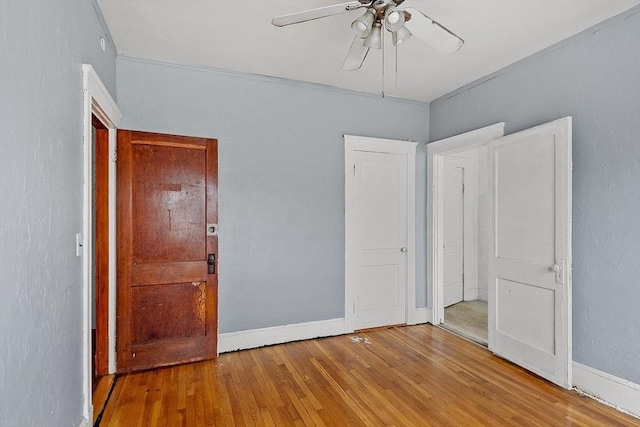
x=167, y=299
x=169, y=203
x=526, y=178
x=186, y=311
x=529, y=271
x=381, y=218
x=453, y=235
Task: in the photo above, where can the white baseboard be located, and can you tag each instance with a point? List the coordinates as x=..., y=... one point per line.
x=621, y=394
x=254, y=338
x=471, y=294
x=419, y=315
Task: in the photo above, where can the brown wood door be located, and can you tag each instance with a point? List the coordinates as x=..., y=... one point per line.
x=167, y=295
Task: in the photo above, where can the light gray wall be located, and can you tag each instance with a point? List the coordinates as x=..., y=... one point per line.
x=42, y=47
x=594, y=77
x=281, y=179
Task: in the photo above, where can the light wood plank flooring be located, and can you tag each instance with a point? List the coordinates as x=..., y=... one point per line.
x=406, y=376
x=469, y=319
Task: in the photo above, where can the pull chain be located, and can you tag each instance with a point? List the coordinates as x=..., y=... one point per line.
x=382, y=41
x=396, y=76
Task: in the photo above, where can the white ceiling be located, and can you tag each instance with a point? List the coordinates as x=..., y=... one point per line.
x=237, y=35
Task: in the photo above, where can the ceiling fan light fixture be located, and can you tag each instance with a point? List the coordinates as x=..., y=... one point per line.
x=401, y=36
x=374, y=39
x=393, y=19
x=362, y=25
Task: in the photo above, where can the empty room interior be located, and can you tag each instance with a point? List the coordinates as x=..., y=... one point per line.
x=277, y=212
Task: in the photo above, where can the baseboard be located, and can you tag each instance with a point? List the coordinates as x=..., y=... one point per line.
x=621, y=394
x=419, y=315
x=471, y=294
x=254, y=338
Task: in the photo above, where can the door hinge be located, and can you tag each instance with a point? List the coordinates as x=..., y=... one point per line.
x=354, y=307
x=354, y=169
x=463, y=279
x=463, y=188
x=115, y=156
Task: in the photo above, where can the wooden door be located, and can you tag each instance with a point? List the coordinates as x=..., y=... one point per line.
x=380, y=192
x=453, y=234
x=530, y=258
x=167, y=288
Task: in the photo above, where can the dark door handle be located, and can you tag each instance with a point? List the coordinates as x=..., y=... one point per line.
x=211, y=263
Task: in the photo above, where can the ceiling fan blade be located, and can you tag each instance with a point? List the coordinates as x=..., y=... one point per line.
x=356, y=55
x=432, y=33
x=311, y=14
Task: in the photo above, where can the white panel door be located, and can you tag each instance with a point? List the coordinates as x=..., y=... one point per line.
x=530, y=257
x=453, y=234
x=380, y=194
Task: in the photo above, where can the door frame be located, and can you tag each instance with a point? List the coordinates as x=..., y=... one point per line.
x=360, y=143
x=97, y=101
x=100, y=247
x=436, y=152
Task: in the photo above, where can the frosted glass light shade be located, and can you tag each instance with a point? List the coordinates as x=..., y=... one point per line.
x=362, y=25
x=374, y=39
x=401, y=36
x=393, y=19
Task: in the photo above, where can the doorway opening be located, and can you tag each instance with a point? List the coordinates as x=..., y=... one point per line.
x=462, y=194
x=457, y=288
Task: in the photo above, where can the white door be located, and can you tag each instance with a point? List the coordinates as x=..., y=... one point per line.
x=530, y=257
x=453, y=234
x=380, y=220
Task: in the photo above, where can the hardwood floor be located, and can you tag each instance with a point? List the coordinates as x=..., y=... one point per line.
x=101, y=394
x=406, y=376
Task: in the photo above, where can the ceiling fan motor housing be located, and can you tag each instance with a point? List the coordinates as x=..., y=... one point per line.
x=380, y=6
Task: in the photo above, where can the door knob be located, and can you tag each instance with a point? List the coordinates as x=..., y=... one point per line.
x=403, y=250
x=558, y=269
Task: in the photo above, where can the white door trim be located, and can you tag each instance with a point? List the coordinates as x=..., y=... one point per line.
x=98, y=102
x=436, y=152
x=361, y=143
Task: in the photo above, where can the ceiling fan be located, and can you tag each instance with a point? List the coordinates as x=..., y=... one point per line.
x=401, y=23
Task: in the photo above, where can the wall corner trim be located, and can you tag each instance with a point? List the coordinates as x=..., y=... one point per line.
x=613, y=391
x=254, y=338
x=85, y=423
